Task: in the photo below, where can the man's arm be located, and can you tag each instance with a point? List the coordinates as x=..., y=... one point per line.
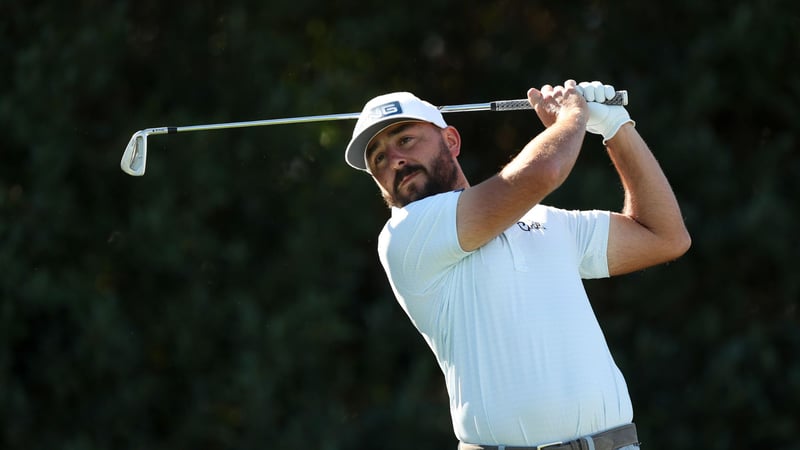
x=649, y=230
x=487, y=209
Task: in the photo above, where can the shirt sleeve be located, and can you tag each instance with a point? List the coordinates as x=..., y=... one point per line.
x=590, y=229
x=420, y=242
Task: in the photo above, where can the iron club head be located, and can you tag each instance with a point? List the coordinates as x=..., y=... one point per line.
x=135, y=157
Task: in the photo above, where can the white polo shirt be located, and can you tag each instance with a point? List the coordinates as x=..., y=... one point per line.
x=524, y=359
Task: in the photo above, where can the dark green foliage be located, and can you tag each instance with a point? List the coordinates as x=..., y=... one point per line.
x=232, y=297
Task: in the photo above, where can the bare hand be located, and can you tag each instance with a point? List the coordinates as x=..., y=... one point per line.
x=552, y=103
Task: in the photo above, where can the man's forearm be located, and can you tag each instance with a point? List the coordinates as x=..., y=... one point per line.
x=550, y=156
x=649, y=199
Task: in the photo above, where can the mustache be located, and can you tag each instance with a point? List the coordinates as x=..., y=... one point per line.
x=400, y=174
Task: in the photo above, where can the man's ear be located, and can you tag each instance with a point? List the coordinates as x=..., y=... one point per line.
x=452, y=139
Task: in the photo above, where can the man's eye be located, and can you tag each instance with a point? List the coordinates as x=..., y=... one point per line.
x=405, y=140
x=379, y=158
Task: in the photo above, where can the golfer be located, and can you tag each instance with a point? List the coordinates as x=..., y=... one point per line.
x=491, y=277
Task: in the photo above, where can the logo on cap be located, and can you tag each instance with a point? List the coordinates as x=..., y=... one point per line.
x=387, y=109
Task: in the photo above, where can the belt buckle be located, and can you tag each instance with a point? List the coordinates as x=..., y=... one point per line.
x=552, y=444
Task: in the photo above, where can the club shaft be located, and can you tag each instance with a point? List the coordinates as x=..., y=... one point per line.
x=621, y=98
x=135, y=156
x=260, y=123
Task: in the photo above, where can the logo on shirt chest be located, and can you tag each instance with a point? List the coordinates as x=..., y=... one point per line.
x=525, y=226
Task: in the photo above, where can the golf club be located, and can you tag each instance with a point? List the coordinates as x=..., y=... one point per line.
x=135, y=157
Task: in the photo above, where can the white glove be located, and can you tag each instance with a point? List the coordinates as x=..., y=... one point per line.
x=604, y=120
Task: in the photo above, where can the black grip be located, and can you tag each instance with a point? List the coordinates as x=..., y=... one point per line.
x=510, y=105
x=619, y=99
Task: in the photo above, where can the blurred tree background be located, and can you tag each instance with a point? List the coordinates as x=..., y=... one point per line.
x=232, y=297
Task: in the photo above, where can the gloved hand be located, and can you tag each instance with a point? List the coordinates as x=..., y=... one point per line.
x=604, y=120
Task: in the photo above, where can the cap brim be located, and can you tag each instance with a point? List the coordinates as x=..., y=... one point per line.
x=355, y=153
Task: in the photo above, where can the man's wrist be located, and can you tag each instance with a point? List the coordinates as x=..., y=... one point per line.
x=620, y=134
x=578, y=116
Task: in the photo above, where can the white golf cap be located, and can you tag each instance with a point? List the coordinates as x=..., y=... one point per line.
x=382, y=111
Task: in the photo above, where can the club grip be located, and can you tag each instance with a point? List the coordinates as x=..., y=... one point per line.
x=620, y=99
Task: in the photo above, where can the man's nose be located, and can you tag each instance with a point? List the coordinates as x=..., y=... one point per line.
x=396, y=157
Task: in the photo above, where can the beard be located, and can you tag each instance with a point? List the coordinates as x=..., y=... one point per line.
x=442, y=177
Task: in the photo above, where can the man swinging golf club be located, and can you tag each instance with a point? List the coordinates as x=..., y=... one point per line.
x=491, y=277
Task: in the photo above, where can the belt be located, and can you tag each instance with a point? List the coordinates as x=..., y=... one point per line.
x=606, y=440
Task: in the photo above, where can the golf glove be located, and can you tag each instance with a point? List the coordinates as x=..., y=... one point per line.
x=604, y=120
